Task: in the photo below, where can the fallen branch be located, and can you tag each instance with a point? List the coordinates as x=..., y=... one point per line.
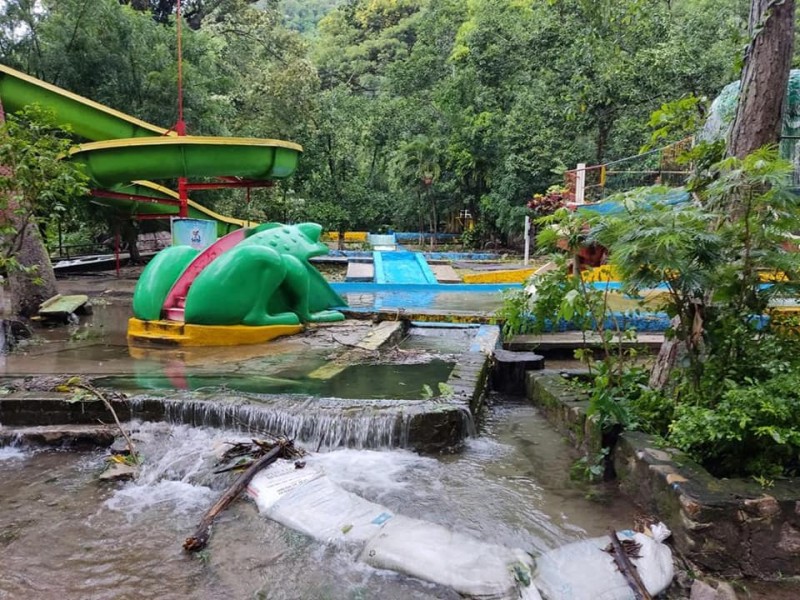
x=627, y=568
x=76, y=384
x=200, y=538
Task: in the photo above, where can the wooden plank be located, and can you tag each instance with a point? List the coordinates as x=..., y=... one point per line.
x=445, y=274
x=382, y=333
x=61, y=306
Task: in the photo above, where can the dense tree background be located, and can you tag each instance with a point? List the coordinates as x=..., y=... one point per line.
x=409, y=110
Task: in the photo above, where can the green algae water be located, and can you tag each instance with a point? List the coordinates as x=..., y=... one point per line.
x=362, y=381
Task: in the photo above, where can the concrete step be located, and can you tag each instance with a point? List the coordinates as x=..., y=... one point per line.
x=360, y=271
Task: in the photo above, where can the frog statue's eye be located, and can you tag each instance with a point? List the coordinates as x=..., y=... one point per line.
x=311, y=230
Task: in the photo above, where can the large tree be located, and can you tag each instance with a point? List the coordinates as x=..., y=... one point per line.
x=35, y=183
x=764, y=77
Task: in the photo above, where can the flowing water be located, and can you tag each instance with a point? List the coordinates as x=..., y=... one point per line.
x=64, y=535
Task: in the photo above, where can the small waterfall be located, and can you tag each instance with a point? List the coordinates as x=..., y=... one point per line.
x=318, y=423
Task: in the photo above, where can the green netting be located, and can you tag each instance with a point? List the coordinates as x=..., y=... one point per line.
x=723, y=110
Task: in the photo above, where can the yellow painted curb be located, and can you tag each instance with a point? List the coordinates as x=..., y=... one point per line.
x=173, y=333
x=509, y=276
x=349, y=236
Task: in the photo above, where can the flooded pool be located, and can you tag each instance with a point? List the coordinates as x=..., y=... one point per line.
x=63, y=535
x=97, y=346
x=379, y=381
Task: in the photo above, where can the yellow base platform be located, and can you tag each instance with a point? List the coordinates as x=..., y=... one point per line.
x=173, y=333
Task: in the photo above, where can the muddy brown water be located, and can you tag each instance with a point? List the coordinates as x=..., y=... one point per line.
x=65, y=535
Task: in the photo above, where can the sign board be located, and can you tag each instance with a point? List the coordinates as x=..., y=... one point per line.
x=197, y=233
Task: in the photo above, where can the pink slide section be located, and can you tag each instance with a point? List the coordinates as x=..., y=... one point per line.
x=173, y=305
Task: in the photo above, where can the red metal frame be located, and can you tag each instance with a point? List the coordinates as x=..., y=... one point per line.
x=190, y=187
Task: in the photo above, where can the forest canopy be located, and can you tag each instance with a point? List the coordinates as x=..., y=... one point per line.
x=409, y=111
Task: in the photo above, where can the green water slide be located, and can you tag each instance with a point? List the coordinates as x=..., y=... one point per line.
x=127, y=152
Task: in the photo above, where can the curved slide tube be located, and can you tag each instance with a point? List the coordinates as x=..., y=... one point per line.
x=118, y=161
x=86, y=119
x=127, y=149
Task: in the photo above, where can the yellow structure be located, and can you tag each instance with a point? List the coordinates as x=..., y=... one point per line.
x=174, y=333
x=349, y=236
x=504, y=276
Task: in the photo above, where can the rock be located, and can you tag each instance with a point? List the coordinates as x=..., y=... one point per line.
x=120, y=447
x=702, y=591
x=725, y=591
x=119, y=472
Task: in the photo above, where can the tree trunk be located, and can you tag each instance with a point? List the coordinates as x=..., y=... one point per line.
x=130, y=235
x=29, y=290
x=764, y=77
x=759, y=112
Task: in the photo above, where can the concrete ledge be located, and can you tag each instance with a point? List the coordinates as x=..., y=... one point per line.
x=571, y=340
x=468, y=381
x=421, y=315
x=74, y=437
x=731, y=527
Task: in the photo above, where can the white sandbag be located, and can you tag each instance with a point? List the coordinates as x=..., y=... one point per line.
x=434, y=553
x=584, y=571
x=307, y=501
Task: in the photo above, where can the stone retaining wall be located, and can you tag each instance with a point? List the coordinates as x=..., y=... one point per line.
x=730, y=527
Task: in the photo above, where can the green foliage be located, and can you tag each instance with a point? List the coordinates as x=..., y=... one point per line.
x=304, y=15
x=359, y=84
x=36, y=185
x=733, y=403
x=590, y=468
x=749, y=429
x=676, y=119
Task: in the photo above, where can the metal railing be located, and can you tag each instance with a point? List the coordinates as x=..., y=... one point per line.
x=660, y=166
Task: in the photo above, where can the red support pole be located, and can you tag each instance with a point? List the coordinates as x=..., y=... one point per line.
x=180, y=126
x=183, y=195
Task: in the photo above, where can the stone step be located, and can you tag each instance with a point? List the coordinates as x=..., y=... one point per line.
x=360, y=271
x=157, y=331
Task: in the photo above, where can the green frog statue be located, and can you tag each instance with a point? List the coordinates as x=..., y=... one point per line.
x=254, y=277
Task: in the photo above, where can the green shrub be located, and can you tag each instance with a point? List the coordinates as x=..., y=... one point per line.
x=751, y=430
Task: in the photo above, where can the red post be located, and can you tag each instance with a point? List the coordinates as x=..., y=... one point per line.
x=180, y=126
x=183, y=209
